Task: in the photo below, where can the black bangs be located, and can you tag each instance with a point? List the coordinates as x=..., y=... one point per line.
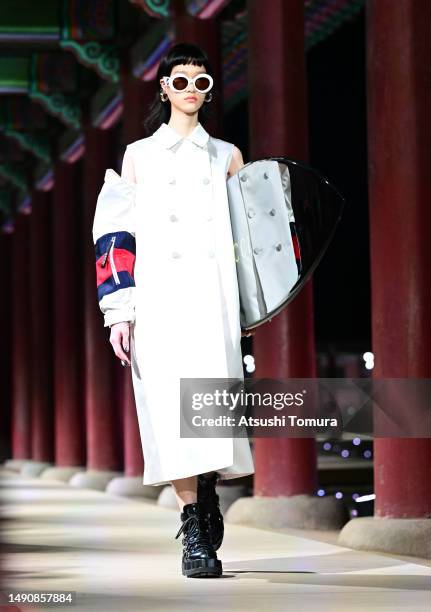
x=184, y=53
x=180, y=53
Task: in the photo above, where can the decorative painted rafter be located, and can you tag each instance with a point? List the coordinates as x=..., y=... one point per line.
x=201, y=9
x=234, y=44
x=8, y=226
x=6, y=206
x=17, y=115
x=88, y=29
x=14, y=175
x=37, y=144
x=44, y=177
x=24, y=202
x=205, y=9
x=322, y=17
x=27, y=22
x=102, y=58
x=154, y=8
x=106, y=106
x=13, y=75
x=71, y=146
x=148, y=50
x=58, y=105
x=36, y=76
x=64, y=107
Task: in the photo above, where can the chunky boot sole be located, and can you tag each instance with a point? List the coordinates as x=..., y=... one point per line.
x=201, y=568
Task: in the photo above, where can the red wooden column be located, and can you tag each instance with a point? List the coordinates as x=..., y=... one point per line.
x=136, y=97
x=41, y=327
x=104, y=443
x=285, y=347
x=21, y=326
x=6, y=238
x=399, y=136
x=133, y=457
x=68, y=317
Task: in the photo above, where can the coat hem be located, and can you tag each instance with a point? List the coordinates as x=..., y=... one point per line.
x=223, y=476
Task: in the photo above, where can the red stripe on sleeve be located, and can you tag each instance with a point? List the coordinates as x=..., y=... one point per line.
x=124, y=260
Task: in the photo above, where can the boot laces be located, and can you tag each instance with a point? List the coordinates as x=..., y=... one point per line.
x=196, y=531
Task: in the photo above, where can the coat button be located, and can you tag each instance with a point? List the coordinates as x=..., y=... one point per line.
x=278, y=247
x=176, y=255
x=206, y=180
x=244, y=177
x=257, y=250
x=250, y=213
x=265, y=175
x=173, y=218
x=172, y=181
x=272, y=211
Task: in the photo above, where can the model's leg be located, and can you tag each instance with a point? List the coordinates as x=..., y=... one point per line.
x=208, y=474
x=199, y=557
x=209, y=500
x=185, y=491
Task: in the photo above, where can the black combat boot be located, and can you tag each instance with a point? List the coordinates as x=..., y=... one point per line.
x=199, y=557
x=209, y=501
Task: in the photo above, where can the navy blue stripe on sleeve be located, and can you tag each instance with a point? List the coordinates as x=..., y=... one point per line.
x=109, y=286
x=123, y=240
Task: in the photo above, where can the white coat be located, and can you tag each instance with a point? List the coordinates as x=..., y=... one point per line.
x=171, y=272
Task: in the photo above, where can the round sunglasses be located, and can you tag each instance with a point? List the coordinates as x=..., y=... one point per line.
x=179, y=81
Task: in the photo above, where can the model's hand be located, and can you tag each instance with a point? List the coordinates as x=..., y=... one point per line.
x=119, y=339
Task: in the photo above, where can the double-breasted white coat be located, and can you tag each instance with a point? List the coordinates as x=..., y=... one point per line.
x=166, y=263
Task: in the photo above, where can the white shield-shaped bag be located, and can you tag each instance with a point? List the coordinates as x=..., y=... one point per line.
x=283, y=216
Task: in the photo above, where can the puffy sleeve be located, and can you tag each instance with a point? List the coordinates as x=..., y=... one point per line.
x=115, y=246
x=128, y=168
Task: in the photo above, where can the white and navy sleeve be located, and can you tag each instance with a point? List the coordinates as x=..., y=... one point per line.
x=115, y=244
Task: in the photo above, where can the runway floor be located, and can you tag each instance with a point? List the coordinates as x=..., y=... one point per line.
x=121, y=554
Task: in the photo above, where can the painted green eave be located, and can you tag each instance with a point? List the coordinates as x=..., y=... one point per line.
x=24, y=17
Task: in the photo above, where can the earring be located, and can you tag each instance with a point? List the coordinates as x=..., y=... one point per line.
x=163, y=99
x=208, y=99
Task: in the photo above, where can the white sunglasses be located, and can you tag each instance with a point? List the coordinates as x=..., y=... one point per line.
x=179, y=81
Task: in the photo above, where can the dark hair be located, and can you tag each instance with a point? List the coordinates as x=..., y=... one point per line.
x=182, y=53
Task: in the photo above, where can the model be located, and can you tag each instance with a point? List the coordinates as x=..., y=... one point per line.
x=168, y=289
